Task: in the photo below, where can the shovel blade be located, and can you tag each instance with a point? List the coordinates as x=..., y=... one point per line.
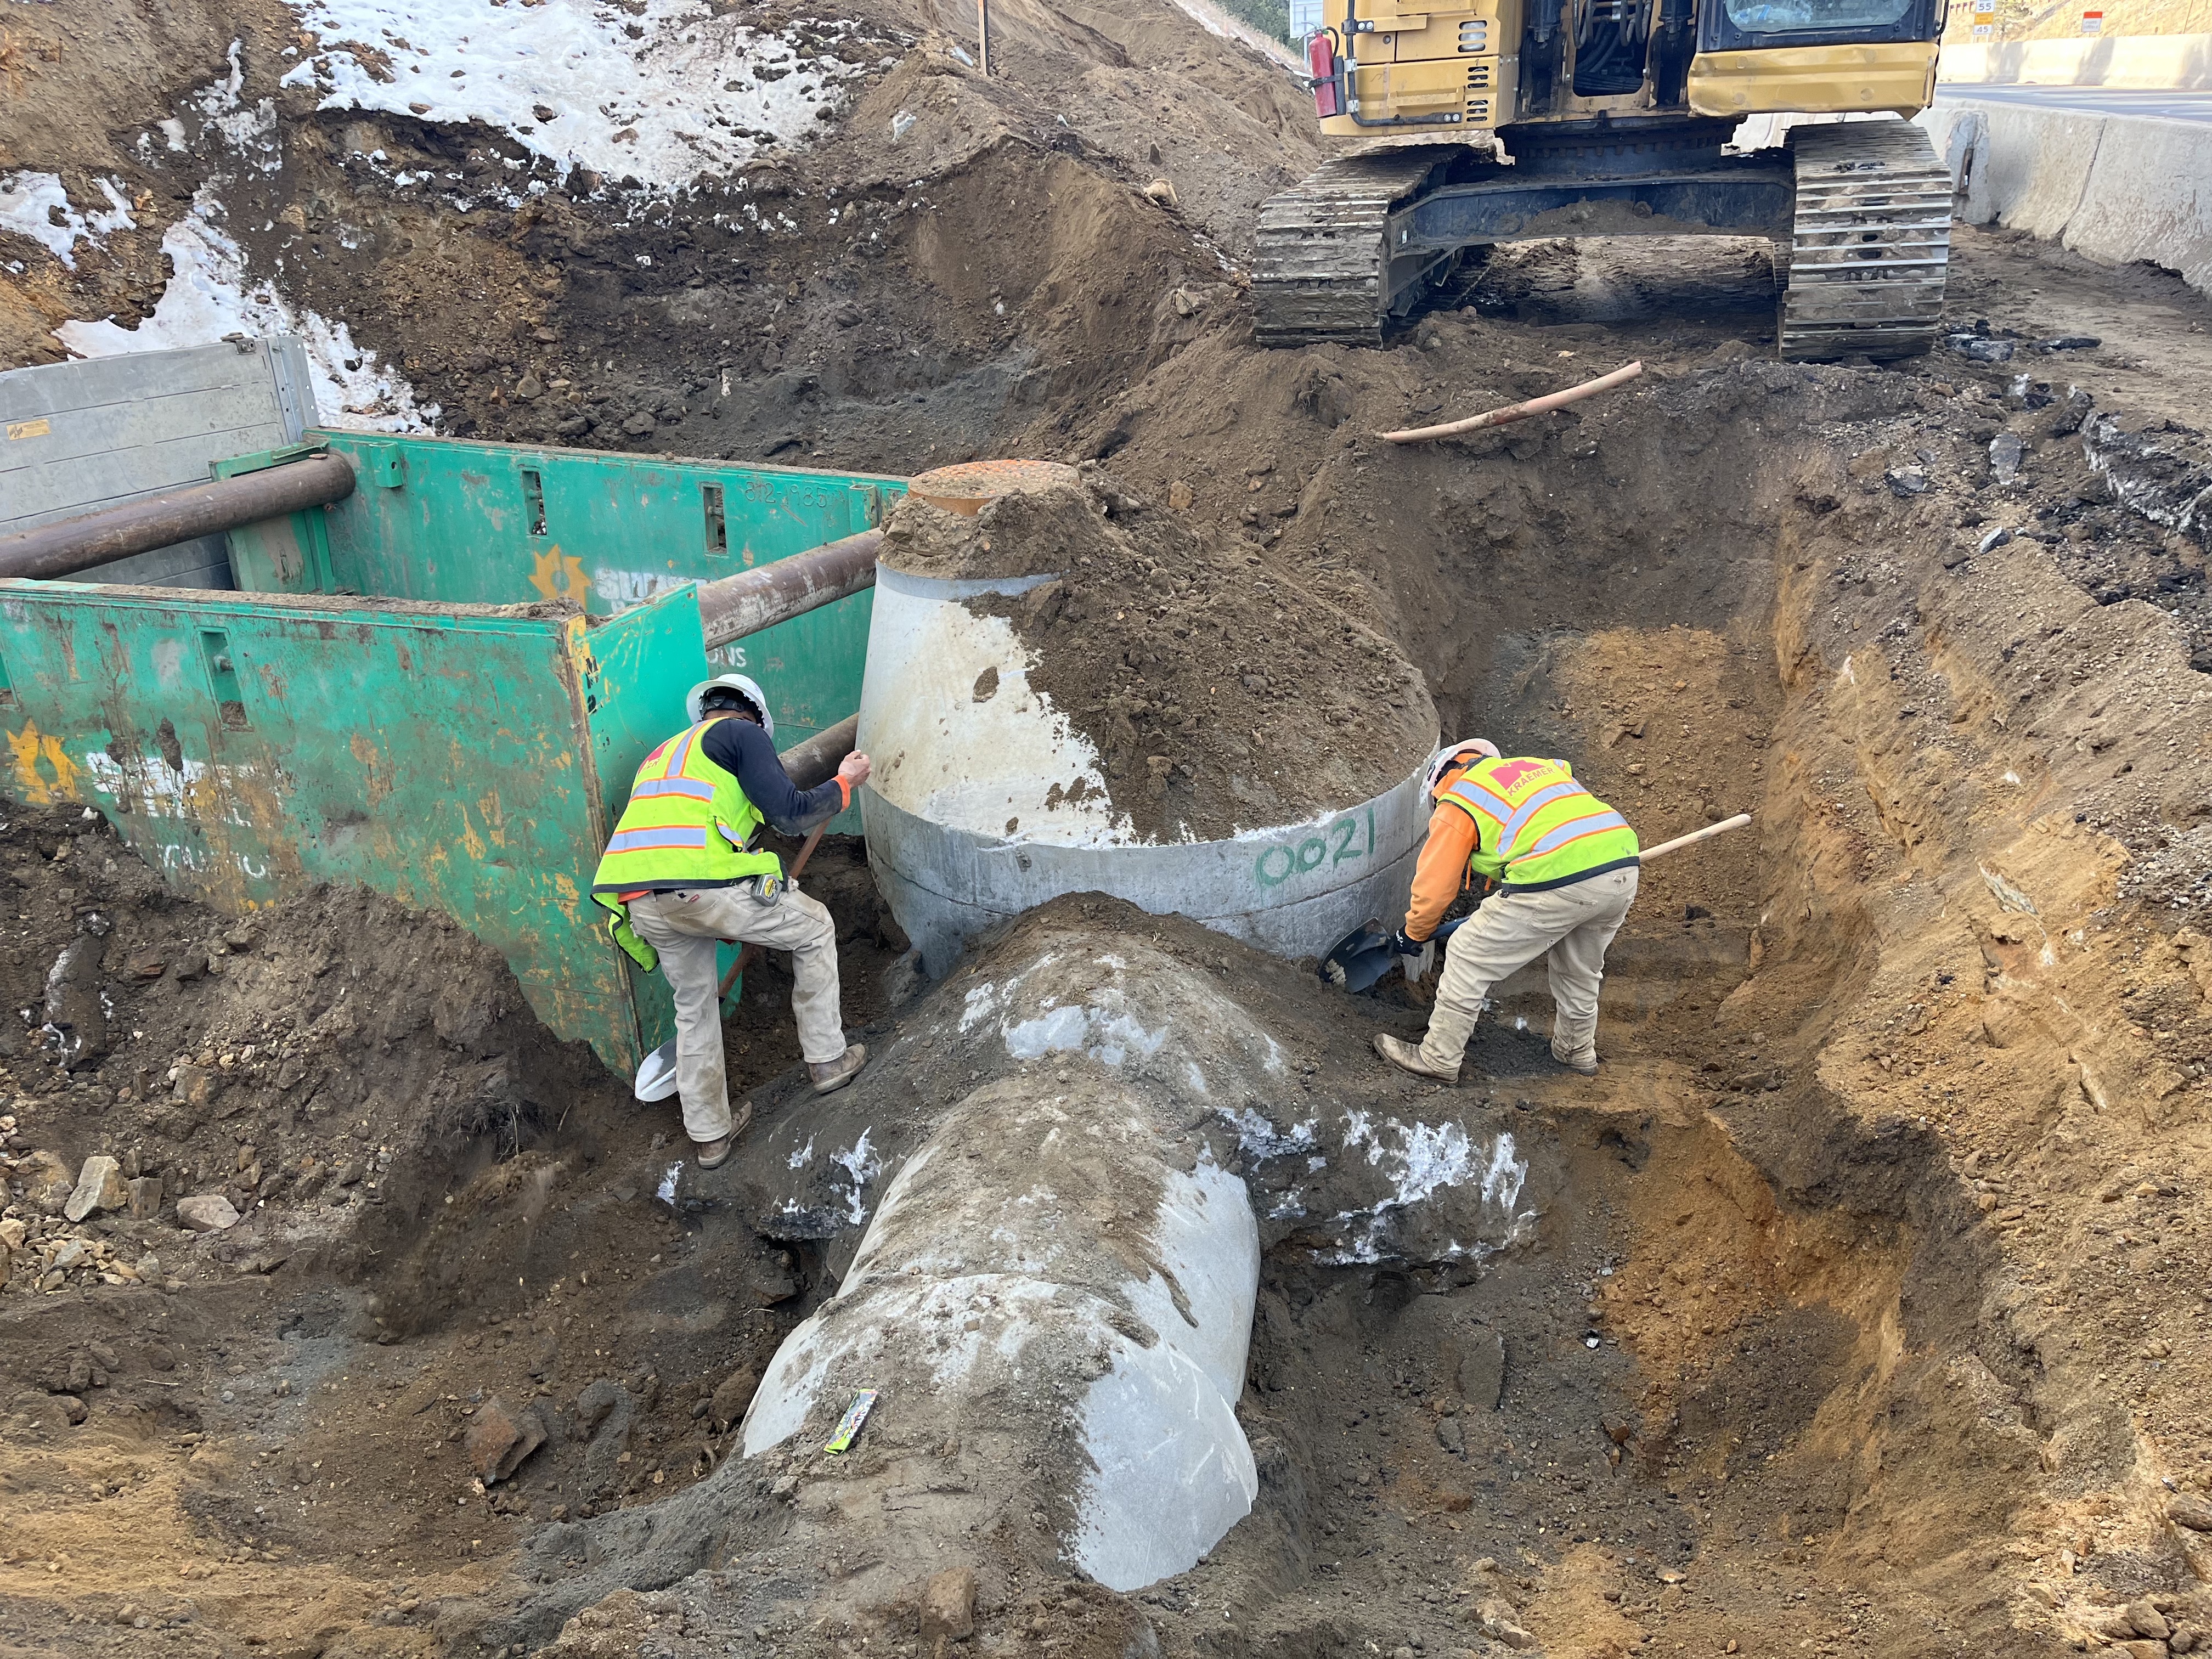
x=656, y=1078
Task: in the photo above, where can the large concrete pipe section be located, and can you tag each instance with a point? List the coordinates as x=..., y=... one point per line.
x=949, y=772
x=1053, y=1297
x=68, y=546
x=753, y=599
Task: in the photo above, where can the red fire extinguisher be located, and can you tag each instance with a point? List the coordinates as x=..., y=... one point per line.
x=1327, y=91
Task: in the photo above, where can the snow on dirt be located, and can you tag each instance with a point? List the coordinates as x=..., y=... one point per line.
x=28, y=202
x=659, y=93
x=211, y=298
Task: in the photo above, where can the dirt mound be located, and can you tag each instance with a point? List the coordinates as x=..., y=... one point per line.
x=1219, y=696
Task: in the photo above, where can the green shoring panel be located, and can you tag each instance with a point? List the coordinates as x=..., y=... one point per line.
x=464, y=758
x=462, y=522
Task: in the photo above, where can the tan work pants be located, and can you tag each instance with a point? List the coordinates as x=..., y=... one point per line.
x=683, y=927
x=1574, y=924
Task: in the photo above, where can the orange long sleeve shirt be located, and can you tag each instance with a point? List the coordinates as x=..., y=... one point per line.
x=1442, y=872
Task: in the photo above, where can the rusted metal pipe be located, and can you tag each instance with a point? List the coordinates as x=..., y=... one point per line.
x=815, y=761
x=753, y=599
x=68, y=546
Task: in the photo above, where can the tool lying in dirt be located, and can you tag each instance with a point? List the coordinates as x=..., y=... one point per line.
x=1356, y=962
x=1421, y=435
x=656, y=1078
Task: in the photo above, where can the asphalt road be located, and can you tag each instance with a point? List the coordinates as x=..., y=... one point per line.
x=2094, y=101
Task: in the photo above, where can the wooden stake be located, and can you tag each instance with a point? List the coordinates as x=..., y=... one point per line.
x=983, y=35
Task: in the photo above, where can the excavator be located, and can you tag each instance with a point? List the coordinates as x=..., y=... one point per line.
x=1616, y=118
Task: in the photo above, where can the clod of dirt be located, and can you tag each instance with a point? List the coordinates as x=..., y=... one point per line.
x=1220, y=696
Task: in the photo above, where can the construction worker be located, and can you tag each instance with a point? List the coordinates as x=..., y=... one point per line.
x=1565, y=864
x=684, y=870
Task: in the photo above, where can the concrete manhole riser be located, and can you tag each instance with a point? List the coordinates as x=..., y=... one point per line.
x=983, y=808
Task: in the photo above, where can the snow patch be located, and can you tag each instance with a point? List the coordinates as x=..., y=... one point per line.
x=211, y=297
x=29, y=202
x=661, y=92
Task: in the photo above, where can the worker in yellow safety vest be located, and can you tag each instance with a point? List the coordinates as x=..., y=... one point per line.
x=1565, y=866
x=685, y=870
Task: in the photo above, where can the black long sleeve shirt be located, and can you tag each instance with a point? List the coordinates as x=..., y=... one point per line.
x=739, y=747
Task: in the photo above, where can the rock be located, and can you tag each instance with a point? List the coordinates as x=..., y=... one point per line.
x=1907, y=480
x=2147, y=1621
x=2071, y=413
x=948, y=1606
x=1482, y=1369
x=99, y=1187
x=2188, y=1508
x=73, y=1254
x=529, y=388
x=76, y=1007
x=1179, y=495
x=46, y=1181
x=143, y=1198
x=12, y=1234
x=574, y=426
x=195, y=1085
x=1979, y=350
x=2072, y=343
x=639, y=424
x=2005, y=452
x=1162, y=192
x=2184, y=1640
x=206, y=1212
x=1501, y=1623
x=2143, y=1648
x=1451, y=1437
x=1994, y=539
x=499, y=1438
x=731, y=1395
x=773, y=1282
x=72, y=1407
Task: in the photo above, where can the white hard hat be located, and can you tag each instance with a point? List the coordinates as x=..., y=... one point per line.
x=744, y=685
x=1444, y=759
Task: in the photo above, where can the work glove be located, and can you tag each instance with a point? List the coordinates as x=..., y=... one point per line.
x=1415, y=956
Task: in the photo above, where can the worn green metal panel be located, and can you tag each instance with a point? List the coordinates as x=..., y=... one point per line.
x=451, y=520
x=251, y=748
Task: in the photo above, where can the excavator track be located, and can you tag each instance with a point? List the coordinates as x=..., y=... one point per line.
x=1870, y=243
x=1321, y=270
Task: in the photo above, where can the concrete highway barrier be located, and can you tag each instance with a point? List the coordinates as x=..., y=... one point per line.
x=2164, y=62
x=2114, y=188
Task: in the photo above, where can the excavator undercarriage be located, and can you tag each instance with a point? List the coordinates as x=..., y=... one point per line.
x=1615, y=118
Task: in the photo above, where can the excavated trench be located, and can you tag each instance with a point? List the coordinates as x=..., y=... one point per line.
x=1722, y=1352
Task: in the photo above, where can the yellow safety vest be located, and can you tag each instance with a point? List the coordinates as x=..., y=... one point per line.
x=687, y=825
x=1535, y=827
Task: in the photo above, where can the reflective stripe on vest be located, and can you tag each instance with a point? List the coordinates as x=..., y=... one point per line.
x=1534, y=824
x=687, y=825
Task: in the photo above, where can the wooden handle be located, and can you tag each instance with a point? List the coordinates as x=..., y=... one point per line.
x=1705, y=834
x=798, y=865
x=1421, y=435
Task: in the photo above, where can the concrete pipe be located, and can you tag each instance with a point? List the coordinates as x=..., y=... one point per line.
x=68, y=546
x=951, y=772
x=753, y=599
x=1061, y=1276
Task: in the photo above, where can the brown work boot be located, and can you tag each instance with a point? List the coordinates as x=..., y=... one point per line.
x=1407, y=1057
x=832, y=1075
x=713, y=1154
x=1585, y=1062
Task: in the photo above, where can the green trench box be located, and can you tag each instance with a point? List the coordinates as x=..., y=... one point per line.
x=439, y=688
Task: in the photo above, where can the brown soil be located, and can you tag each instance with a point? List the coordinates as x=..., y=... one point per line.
x=1219, y=696
x=1886, y=1218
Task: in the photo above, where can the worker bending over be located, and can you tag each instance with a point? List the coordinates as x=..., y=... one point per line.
x=1564, y=864
x=685, y=871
